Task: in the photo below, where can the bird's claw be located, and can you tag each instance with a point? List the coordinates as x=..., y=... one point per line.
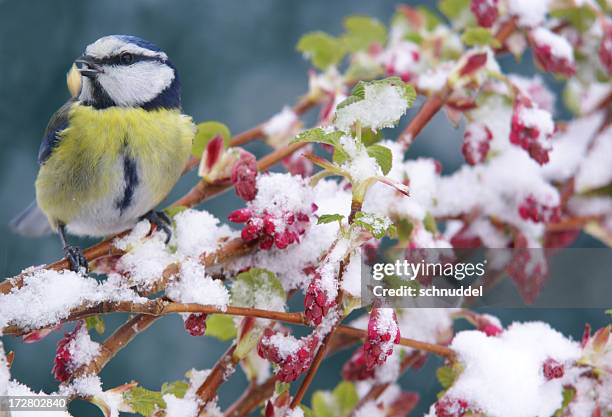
x=162, y=222
x=75, y=257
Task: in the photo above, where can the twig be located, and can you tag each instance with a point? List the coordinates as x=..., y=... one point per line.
x=440, y=350
x=377, y=389
x=251, y=398
x=117, y=341
x=202, y=191
x=159, y=307
x=208, y=390
x=301, y=107
x=435, y=102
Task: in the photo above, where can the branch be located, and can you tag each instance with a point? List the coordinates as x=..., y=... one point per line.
x=435, y=102
x=301, y=107
x=251, y=398
x=203, y=191
x=225, y=365
x=200, y=192
x=117, y=341
x=377, y=389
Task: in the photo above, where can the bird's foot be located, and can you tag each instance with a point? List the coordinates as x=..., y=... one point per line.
x=161, y=221
x=75, y=257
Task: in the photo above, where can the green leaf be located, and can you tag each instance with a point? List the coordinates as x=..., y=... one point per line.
x=569, y=393
x=479, y=36
x=250, y=288
x=446, y=376
x=144, y=401
x=370, y=137
x=453, y=8
x=431, y=19
x=207, y=131
x=248, y=341
x=345, y=395
x=338, y=403
x=363, y=31
x=340, y=156
x=383, y=157
x=321, y=406
x=609, y=312
x=414, y=37
x=358, y=92
x=603, y=191
x=378, y=226
x=322, y=49
x=221, y=326
x=176, y=388
x=581, y=17
x=318, y=135
x=307, y=411
x=430, y=223
x=329, y=218
x=95, y=322
x=404, y=229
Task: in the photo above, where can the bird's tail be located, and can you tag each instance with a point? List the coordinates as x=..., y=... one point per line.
x=31, y=222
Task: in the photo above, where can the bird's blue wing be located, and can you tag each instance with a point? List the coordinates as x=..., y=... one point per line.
x=57, y=123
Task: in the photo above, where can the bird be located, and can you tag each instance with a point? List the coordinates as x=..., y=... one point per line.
x=114, y=150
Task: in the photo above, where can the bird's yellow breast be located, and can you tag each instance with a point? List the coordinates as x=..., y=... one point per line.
x=85, y=168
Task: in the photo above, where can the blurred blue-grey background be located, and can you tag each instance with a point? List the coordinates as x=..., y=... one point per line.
x=238, y=65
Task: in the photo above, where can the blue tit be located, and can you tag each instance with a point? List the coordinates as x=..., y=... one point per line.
x=113, y=152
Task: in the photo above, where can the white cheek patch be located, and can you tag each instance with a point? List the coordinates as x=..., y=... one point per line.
x=86, y=94
x=135, y=84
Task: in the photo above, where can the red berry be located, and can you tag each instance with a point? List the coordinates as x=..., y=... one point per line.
x=476, y=143
x=485, y=12
x=355, y=369
x=383, y=333
x=451, y=407
x=553, y=369
x=244, y=176
x=317, y=304
x=605, y=49
x=531, y=209
x=292, y=356
x=195, y=324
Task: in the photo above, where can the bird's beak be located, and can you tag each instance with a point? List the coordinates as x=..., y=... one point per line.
x=88, y=67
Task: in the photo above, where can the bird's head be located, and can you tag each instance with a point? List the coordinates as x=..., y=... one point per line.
x=127, y=71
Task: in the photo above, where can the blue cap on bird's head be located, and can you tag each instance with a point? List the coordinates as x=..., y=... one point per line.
x=127, y=71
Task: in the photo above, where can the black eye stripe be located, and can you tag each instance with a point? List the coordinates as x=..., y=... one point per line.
x=116, y=60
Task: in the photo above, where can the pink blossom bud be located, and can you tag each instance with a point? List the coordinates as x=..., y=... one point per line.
x=476, y=143
x=553, y=52
x=244, y=176
x=605, y=49
x=485, y=12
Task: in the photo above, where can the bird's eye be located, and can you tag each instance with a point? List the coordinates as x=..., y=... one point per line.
x=126, y=58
